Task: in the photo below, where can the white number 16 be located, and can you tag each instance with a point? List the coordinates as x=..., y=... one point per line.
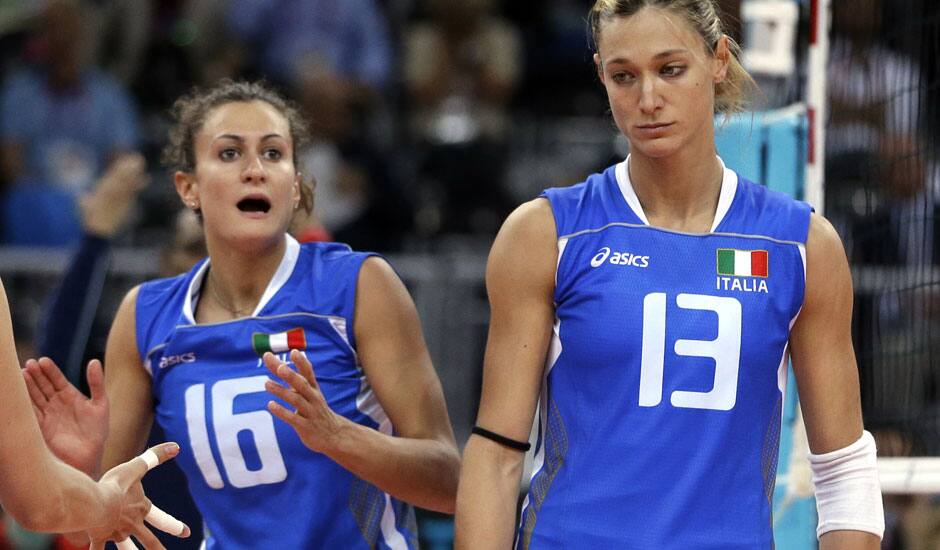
x=227, y=425
x=725, y=350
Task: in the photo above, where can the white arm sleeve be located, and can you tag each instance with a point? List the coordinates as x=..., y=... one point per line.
x=848, y=493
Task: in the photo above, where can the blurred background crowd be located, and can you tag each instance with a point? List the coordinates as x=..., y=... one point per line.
x=431, y=120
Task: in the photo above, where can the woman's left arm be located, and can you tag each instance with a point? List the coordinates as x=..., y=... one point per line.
x=827, y=378
x=420, y=464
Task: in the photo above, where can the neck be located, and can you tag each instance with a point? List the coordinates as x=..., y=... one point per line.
x=236, y=280
x=680, y=192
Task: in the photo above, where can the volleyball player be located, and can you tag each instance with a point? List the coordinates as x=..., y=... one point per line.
x=44, y=494
x=363, y=438
x=655, y=306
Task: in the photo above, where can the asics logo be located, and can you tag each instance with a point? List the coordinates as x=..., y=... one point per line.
x=171, y=360
x=619, y=258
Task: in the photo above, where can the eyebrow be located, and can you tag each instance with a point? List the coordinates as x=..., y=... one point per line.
x=240, y=139
x=660, y=55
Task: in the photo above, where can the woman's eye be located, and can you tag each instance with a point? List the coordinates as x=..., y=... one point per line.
x=273, y=154
x=673, y=70
x=622, y=77
x=228, y=154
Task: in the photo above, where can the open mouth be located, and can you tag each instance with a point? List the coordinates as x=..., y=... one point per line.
x=254, y=205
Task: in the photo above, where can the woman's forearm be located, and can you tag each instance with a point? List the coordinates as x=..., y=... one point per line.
x=423, y=472
x=64, y=500
x=486, y=500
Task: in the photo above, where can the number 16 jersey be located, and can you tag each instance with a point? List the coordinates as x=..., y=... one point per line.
x=661, y=403
x=253, y=480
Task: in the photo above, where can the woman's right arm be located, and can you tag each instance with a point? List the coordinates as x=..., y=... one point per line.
x=39, y=491
x=520, y=282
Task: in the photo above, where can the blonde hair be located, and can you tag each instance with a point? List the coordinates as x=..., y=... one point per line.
x=731, y=93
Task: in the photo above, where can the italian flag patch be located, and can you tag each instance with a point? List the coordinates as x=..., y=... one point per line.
x=279, y=343
x=742, y=263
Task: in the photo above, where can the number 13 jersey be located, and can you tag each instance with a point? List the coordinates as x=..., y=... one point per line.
x=253, y=480
x=660, y=411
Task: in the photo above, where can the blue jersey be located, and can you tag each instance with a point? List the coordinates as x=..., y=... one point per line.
x=252, y=478
x=661, y=403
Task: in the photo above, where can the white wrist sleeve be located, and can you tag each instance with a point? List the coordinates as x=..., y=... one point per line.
x=848, y=493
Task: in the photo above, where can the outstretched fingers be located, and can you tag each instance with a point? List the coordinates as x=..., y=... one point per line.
x=271, y=362
x=294, y=419
x=286, y=394
x=148, y=539
x=95, y=376
x=36, y=395
x=53, y=374
x=166, y=523
x=151, y=458
x=297, y=382
x=40, y=379
x=304, y=366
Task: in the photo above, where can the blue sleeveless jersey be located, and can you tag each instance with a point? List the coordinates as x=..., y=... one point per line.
x=660, y=410
x=255, y=483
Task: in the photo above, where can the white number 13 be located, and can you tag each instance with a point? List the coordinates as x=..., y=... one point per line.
x=725, y=350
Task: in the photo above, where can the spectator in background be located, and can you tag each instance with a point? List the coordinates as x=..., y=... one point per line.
x=120, y=35
x=339, y=50
x=880, y=196
x=358, y=199
x=462, y=67
x=61, y=122
x=336, y=58
x=874, y=102
x=73, y=306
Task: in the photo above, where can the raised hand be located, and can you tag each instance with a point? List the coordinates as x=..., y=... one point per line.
x=131, y=508
x=313, y=420
x=73, y=426
x=108, y=206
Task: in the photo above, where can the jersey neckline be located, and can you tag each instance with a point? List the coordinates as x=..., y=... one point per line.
x=729, y=187
x=281, y=275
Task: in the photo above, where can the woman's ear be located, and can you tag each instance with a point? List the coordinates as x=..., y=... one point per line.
x=187, y=189
x=722, y=59
x=599, y=65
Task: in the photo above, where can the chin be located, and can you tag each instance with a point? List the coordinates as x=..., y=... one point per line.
x=254, y=239
x=654, y=149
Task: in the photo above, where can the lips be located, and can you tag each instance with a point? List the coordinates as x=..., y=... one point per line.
x=254, y=204
x=656, y=126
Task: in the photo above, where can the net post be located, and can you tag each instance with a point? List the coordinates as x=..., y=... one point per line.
x=820, y=20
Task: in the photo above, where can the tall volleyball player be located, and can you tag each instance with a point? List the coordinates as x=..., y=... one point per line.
x=655, y=306
x=363, y=437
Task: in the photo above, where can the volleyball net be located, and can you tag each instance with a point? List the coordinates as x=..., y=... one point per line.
x=862, y=76
x=880, y=184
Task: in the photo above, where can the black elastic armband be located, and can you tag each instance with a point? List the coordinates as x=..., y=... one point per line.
x=505, y=441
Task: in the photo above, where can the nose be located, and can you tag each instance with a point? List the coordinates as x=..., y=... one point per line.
x=253, y=171
x=650, y=100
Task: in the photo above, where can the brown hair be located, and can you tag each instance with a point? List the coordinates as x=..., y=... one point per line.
x=730, y=93
x=189, y=113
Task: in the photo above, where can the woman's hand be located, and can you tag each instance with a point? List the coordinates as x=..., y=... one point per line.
x=129, y=507
x=313, y=420
x=73, y=426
